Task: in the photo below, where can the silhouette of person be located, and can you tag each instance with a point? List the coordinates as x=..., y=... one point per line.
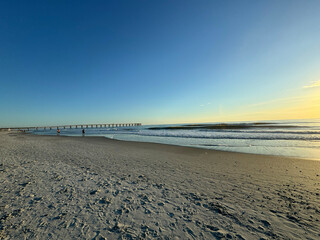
x=83, y=132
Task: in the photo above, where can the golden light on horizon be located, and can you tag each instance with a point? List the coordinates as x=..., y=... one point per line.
x=300, y=107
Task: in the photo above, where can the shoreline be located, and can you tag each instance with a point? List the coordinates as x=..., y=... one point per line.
x=57, y=187
x=192, y=147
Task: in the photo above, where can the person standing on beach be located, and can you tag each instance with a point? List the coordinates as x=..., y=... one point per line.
x=83, y=132
x=58, y=131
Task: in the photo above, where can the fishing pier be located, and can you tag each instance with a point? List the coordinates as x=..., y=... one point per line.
x=100, y=125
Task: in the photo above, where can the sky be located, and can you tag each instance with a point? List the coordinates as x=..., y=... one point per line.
x=156, y=62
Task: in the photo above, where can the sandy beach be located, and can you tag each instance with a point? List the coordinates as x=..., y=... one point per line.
x=54, y=187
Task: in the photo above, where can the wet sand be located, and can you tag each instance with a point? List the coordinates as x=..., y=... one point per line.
x=54, y=187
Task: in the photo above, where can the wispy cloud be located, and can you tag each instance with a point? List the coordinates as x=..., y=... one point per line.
x=278, y=100
x=203, y=105
x=313, y=85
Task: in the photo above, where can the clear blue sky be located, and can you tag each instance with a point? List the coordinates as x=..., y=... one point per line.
x=65, y=62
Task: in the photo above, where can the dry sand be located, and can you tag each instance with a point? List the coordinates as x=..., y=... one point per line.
x=95, y=188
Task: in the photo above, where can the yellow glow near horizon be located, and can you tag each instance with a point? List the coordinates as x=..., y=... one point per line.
x=306, y=106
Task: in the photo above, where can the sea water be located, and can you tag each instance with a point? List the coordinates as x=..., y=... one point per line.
x=294, y=138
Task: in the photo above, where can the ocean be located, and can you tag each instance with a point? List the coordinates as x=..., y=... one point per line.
x=293, y=138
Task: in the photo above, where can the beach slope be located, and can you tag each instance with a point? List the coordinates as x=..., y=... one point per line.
x=55, y=187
